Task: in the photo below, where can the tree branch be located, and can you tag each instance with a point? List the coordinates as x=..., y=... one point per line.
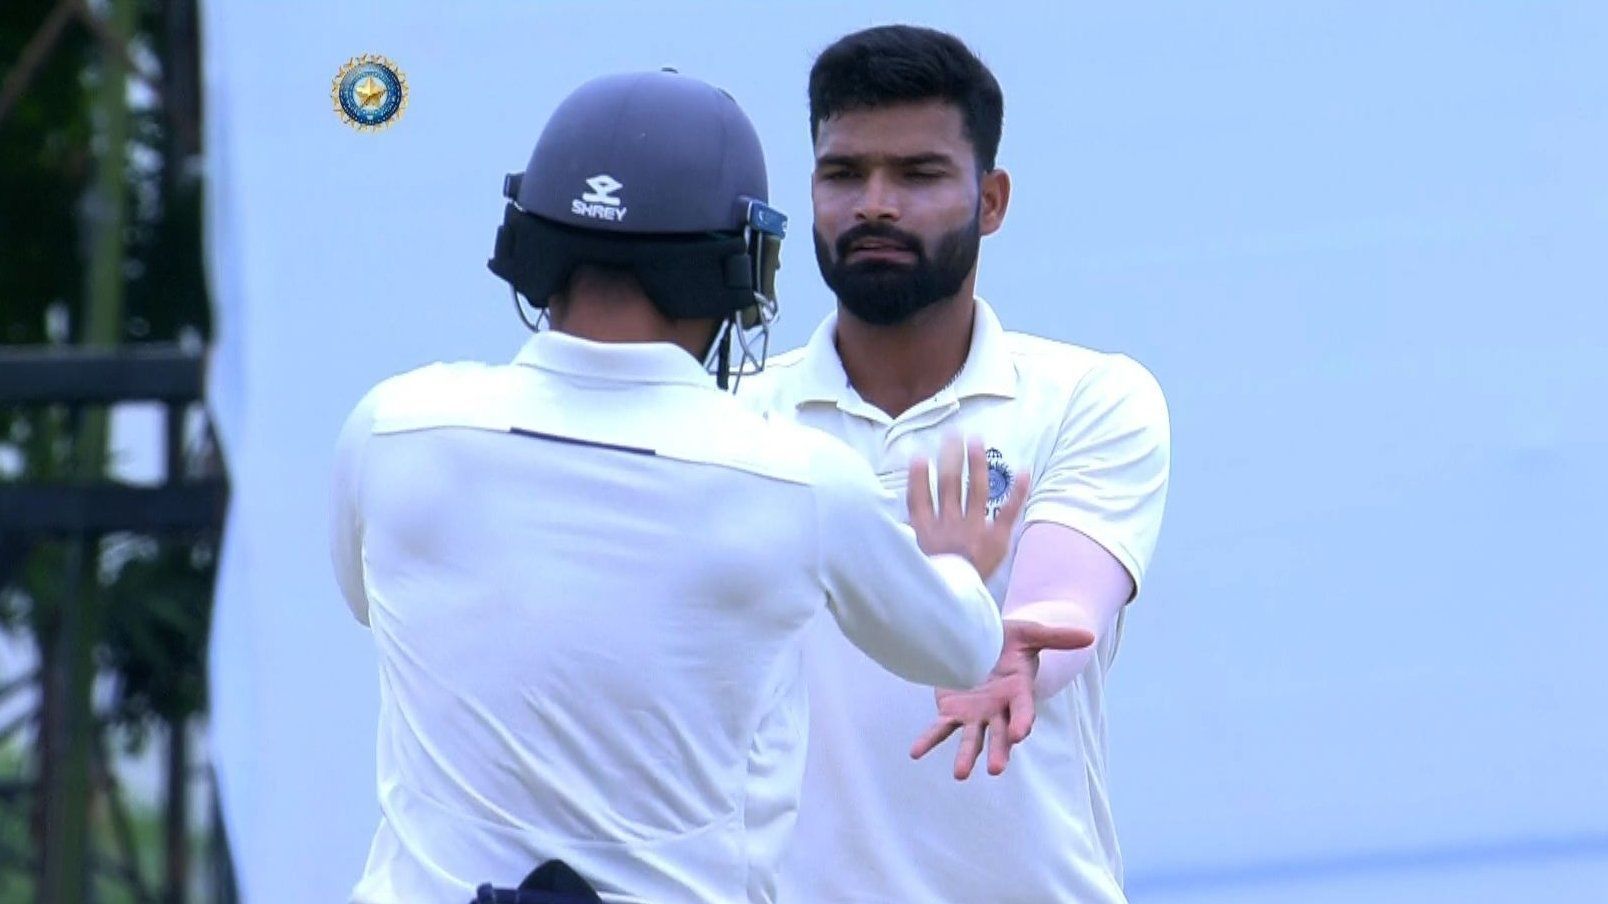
x=35, y=53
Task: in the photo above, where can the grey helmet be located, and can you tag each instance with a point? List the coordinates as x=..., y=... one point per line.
x=661, y=174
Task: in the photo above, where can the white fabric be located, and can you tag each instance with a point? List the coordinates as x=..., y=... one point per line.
x=1092, y=429
x=588, y=576
x=1378, y=320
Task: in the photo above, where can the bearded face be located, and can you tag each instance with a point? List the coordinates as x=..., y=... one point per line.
x=884, y=275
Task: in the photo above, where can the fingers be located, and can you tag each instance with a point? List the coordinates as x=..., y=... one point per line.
x=932, y=737
x=1022, y=715
x=976, y=482
x=999, y=746
x=918, y=494
x=1032, y=635
x=951, y=456
x=971, y=747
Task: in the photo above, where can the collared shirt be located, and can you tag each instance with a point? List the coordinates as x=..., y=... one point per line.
x=1092, y=430
x=588, y=575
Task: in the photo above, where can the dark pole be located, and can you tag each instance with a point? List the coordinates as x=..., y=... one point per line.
x=181, y=104
x=66, y=788
x=66, y=857
x=176, y=826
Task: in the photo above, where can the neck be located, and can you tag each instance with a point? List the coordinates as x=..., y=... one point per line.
x=895, y=367
x=604, y=310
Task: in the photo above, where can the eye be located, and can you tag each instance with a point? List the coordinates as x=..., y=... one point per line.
x=837, y=175
x=923, y=175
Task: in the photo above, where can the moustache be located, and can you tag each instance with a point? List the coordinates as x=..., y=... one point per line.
x=904, y=241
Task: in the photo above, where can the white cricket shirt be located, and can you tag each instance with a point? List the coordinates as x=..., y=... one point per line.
x=588, y=575
x=1092, y=430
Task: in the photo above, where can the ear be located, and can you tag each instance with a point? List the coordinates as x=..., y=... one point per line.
x=995, y=196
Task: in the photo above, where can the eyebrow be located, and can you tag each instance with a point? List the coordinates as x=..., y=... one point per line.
x=907, y=160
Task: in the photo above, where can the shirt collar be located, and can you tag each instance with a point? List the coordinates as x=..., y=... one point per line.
x=625, y=362
x=988, y=369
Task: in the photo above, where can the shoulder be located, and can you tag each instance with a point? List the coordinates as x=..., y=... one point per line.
x=763, y=391
x=827, y=463
x=839, y=476
x=771, y=396
x=431, y=379
x=436, y=394
x=771, y=443
x=784, y=362
x=407, y=398
x=1078, y=376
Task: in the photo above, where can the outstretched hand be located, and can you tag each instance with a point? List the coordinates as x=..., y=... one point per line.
x=1000, y=711
x=958, y=522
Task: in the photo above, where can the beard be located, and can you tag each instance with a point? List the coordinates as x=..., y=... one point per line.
x=882, y=293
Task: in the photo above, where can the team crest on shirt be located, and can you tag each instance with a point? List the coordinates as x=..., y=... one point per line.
x=999, y=480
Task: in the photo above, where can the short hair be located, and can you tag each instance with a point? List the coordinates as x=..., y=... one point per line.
x=896, y=64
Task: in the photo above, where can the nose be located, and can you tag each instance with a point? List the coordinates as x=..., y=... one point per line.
x=877, y=200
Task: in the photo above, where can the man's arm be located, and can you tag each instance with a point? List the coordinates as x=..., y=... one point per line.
x=1062, y=580
x=927, y=619
x=876, y=570
x=1092, y=524
x=1070, y=581
x=346, y=523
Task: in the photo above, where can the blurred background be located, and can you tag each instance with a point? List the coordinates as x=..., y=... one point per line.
x=111, y=490
x=1361, y=245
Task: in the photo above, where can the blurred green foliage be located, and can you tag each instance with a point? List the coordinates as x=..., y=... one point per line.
x=155, y=590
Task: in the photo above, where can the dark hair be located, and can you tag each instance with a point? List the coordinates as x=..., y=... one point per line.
x=895, y=64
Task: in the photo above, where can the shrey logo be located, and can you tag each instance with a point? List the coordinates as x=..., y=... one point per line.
x=603, y=188
x=600, y=203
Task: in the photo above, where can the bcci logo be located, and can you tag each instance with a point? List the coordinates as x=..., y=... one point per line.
x=999, y=480
x=369, y=92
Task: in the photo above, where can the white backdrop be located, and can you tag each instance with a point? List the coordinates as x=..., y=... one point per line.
x=1360, y=245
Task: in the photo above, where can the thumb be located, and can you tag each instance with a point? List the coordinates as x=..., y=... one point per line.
x=1032, y=635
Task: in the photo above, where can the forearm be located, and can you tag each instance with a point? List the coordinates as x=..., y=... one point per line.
x=1057, y=668
x=928, y=619
x=1060, y=577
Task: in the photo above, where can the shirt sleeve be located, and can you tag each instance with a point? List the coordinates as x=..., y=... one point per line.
x=346, y=522
x=1106, y=476
x=929, y=620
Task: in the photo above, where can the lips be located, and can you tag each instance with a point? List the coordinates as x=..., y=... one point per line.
x=879, y=249
x=878, y=245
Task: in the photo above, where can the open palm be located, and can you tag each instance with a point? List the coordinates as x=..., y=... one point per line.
x=1000, y=711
